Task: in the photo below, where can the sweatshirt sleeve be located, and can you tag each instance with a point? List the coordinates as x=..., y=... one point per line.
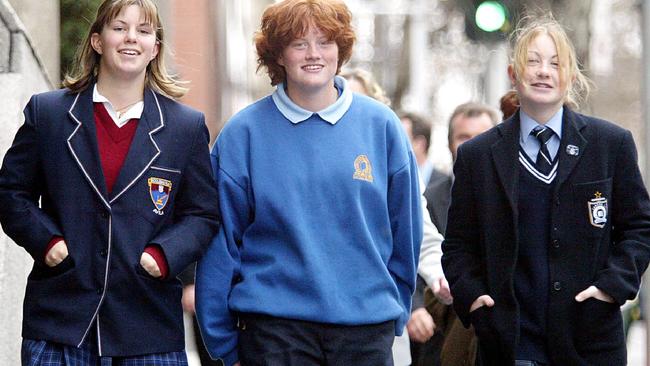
x=406, y=225
x=218, y=270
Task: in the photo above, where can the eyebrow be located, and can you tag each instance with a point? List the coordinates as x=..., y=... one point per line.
x=539, y=55
x=139, y=25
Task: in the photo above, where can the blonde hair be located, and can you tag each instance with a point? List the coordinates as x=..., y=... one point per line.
x=571, y=76
x=86, y=65
x=368, y=82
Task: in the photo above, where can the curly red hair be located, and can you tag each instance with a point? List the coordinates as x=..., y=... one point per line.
x=290, y=19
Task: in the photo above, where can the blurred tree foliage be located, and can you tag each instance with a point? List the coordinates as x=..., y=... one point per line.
x=76, y=16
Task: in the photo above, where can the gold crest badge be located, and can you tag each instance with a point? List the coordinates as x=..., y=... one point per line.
x=362, y=168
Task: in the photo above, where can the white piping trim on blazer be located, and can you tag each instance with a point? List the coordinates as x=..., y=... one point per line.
x=101, y=299
x=108, y=206
x=162, y=124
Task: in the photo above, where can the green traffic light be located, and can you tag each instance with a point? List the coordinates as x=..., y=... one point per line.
x=490, y=16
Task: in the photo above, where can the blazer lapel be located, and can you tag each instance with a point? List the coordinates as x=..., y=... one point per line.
x=505, y=156
x=82, y=143
x=572, y=146
x=143, y=150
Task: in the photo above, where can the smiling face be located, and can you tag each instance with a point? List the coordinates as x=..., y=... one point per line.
x=126, y=44
x=538, y=84
x=310, y=63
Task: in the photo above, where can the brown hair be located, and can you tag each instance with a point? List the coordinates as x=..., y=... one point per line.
x=420, y=126
x=86, y=67
x=509, y=103
x=287, y=20
x=470, y=110
x=577, y=84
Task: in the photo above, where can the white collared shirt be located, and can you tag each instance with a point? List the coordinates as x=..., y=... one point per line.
x=297, y=114
x=135, y=111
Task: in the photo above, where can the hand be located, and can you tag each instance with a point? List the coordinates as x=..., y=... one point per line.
x=57, y=253
x=149, y=264
x=595, y=292
x=236, y=364
x=483, y=300
x=188, y=299
x=441, y=291
x=420, y=326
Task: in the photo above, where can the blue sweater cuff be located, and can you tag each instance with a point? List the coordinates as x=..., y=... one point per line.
x=230, y=358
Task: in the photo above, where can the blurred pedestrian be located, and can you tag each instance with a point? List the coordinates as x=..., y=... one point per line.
x=549, y=224
x=108, y=187
x=315, y=262
x=453, y=344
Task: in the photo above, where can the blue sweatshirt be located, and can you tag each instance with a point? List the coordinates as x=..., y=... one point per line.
x=320, y=218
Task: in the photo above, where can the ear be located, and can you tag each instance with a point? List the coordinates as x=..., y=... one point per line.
x=280, y=61
x=156, y=49
x=512, y=75
x=96, y=42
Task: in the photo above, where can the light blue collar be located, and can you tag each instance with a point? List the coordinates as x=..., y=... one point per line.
x=528, y=123
x=331, y=114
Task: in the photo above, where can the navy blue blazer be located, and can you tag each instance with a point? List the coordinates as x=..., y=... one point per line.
x=598, y=160
x=52, y=184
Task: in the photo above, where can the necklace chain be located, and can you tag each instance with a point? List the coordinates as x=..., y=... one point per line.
x=121, y=111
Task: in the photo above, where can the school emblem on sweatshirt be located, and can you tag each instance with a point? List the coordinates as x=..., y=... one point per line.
x=362, y=168
x=598, y=210
x=159, y=191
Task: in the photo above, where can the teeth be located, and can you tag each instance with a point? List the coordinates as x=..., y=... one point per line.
x=312, y=67
x=130, y=53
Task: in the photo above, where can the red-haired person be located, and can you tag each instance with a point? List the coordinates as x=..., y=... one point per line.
x=108, y=187
x=315, y=262
x=549, y=226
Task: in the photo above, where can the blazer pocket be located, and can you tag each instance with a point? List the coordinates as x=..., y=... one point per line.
x=165, y=169
x=592, y=202
x=600, y=326
x=481, y=319
x=44, y=272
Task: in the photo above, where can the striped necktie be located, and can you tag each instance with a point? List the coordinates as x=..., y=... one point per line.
x=544, y=162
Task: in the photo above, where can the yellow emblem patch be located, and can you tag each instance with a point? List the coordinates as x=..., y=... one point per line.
x=362, y=168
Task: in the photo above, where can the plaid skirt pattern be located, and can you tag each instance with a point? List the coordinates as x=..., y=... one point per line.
x=43, y=353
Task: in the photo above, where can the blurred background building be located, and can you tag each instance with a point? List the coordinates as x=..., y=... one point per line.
x=429, y=55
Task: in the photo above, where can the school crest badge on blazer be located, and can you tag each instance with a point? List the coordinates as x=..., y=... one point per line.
x=159, y=190
x=598, y=210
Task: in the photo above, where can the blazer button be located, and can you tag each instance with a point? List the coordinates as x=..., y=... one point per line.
x=103, y=252
x=556, y=243
x=557, y=286
x=100, y=290
x=104, y=215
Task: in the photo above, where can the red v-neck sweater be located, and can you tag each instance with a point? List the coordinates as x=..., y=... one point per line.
x=113, y=143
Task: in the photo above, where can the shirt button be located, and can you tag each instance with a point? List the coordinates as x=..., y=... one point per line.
x=557, y=286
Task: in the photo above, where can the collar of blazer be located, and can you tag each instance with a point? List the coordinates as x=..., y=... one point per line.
x=506, y=149
x=82, y=143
